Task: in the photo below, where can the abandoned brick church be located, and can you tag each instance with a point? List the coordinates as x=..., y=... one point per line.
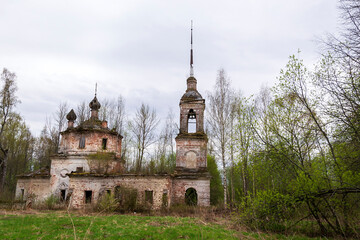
x=88, y=163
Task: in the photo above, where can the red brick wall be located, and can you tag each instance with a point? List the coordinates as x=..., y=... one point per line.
x=157, y=184
x=184, y=145
x=93, y=142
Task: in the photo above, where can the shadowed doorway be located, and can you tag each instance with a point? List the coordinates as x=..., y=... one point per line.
x=191, y=197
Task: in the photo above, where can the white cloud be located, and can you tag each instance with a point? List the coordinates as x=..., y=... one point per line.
x=140, y=49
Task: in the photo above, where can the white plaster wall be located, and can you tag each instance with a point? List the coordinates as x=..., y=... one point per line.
x=59, y=167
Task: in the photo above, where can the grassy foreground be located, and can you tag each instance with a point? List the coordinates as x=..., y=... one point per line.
x=57, y=225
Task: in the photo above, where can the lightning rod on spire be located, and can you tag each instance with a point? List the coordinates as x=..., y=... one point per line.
x=191, y=52
x=95, y=89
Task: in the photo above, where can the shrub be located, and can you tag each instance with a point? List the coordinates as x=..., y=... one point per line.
x=268, y=210
x=126, y=197
x=51, y=202
x=107, y=203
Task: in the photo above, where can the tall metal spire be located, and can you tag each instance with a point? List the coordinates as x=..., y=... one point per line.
x=191, y=53
x=95, y=89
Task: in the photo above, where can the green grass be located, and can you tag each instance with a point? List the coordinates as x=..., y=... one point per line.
x=59, y=226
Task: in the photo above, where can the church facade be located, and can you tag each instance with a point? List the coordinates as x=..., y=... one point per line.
x=88, y=163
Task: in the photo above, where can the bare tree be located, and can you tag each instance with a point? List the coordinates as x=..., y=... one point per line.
x=60, y=119
x=106, y=110
x=8, y=100
x=45, y=144
x=347, y=45
x=220, y=118
x=113, y=111
x=82, y=112
x=119, y=118
x=165, y=145
x=142, y=128
x=243, y=136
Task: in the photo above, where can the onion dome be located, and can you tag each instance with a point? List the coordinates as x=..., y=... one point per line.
x=94, y=104
x=71, y=116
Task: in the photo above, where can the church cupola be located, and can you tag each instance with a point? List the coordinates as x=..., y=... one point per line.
x=191, y=84
x=95, y=106
x=71, y=117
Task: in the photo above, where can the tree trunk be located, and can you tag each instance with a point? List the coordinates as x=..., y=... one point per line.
x=245, y=179
x=225, y=187
x=224, y=179
x=232, y=201
x=3, y=171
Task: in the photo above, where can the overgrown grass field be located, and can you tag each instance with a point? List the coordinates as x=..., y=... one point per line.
x=59, y=225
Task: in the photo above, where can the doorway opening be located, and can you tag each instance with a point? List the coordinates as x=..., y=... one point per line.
x=191, y=197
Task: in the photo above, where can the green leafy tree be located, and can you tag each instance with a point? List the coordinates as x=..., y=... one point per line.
x=8, y=101
x=16, y=142
x=216, y=188
x=20, y=144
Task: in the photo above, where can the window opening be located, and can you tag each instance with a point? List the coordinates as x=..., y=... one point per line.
x=165, y=198
x=88, y=196
x=79, y=169
x=104, y=142
x=149, y=196
x=108, y=192
x=191, y=197
x=62, y=195
x=82, y=142
x=191, y=121
x=22, y=194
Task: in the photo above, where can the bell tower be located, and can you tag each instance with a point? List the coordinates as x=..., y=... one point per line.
x=191, y=142
x=191, y=180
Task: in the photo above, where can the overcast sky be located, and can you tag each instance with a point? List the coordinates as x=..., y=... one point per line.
x=140, y=49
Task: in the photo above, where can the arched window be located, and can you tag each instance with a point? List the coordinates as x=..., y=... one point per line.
x=191, y=197
x=191, y=121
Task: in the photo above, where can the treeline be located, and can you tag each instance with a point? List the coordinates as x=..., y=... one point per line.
x=291, y=154
x=16, y=142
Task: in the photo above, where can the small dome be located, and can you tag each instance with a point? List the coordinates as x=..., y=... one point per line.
x=71, y=116
x=192, y=94
x=94, y=104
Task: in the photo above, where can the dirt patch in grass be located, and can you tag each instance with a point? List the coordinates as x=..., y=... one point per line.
x=20, y=212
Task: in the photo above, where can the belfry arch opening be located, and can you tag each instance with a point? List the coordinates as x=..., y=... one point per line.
x=191, y=197
x=191, y=121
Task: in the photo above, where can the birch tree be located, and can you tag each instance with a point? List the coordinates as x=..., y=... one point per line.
x=219, y=120
x=143, y=127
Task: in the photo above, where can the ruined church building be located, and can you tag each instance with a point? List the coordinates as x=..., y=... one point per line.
x=88, y=163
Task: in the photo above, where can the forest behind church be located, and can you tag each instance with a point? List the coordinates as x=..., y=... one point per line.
x=285, y=158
